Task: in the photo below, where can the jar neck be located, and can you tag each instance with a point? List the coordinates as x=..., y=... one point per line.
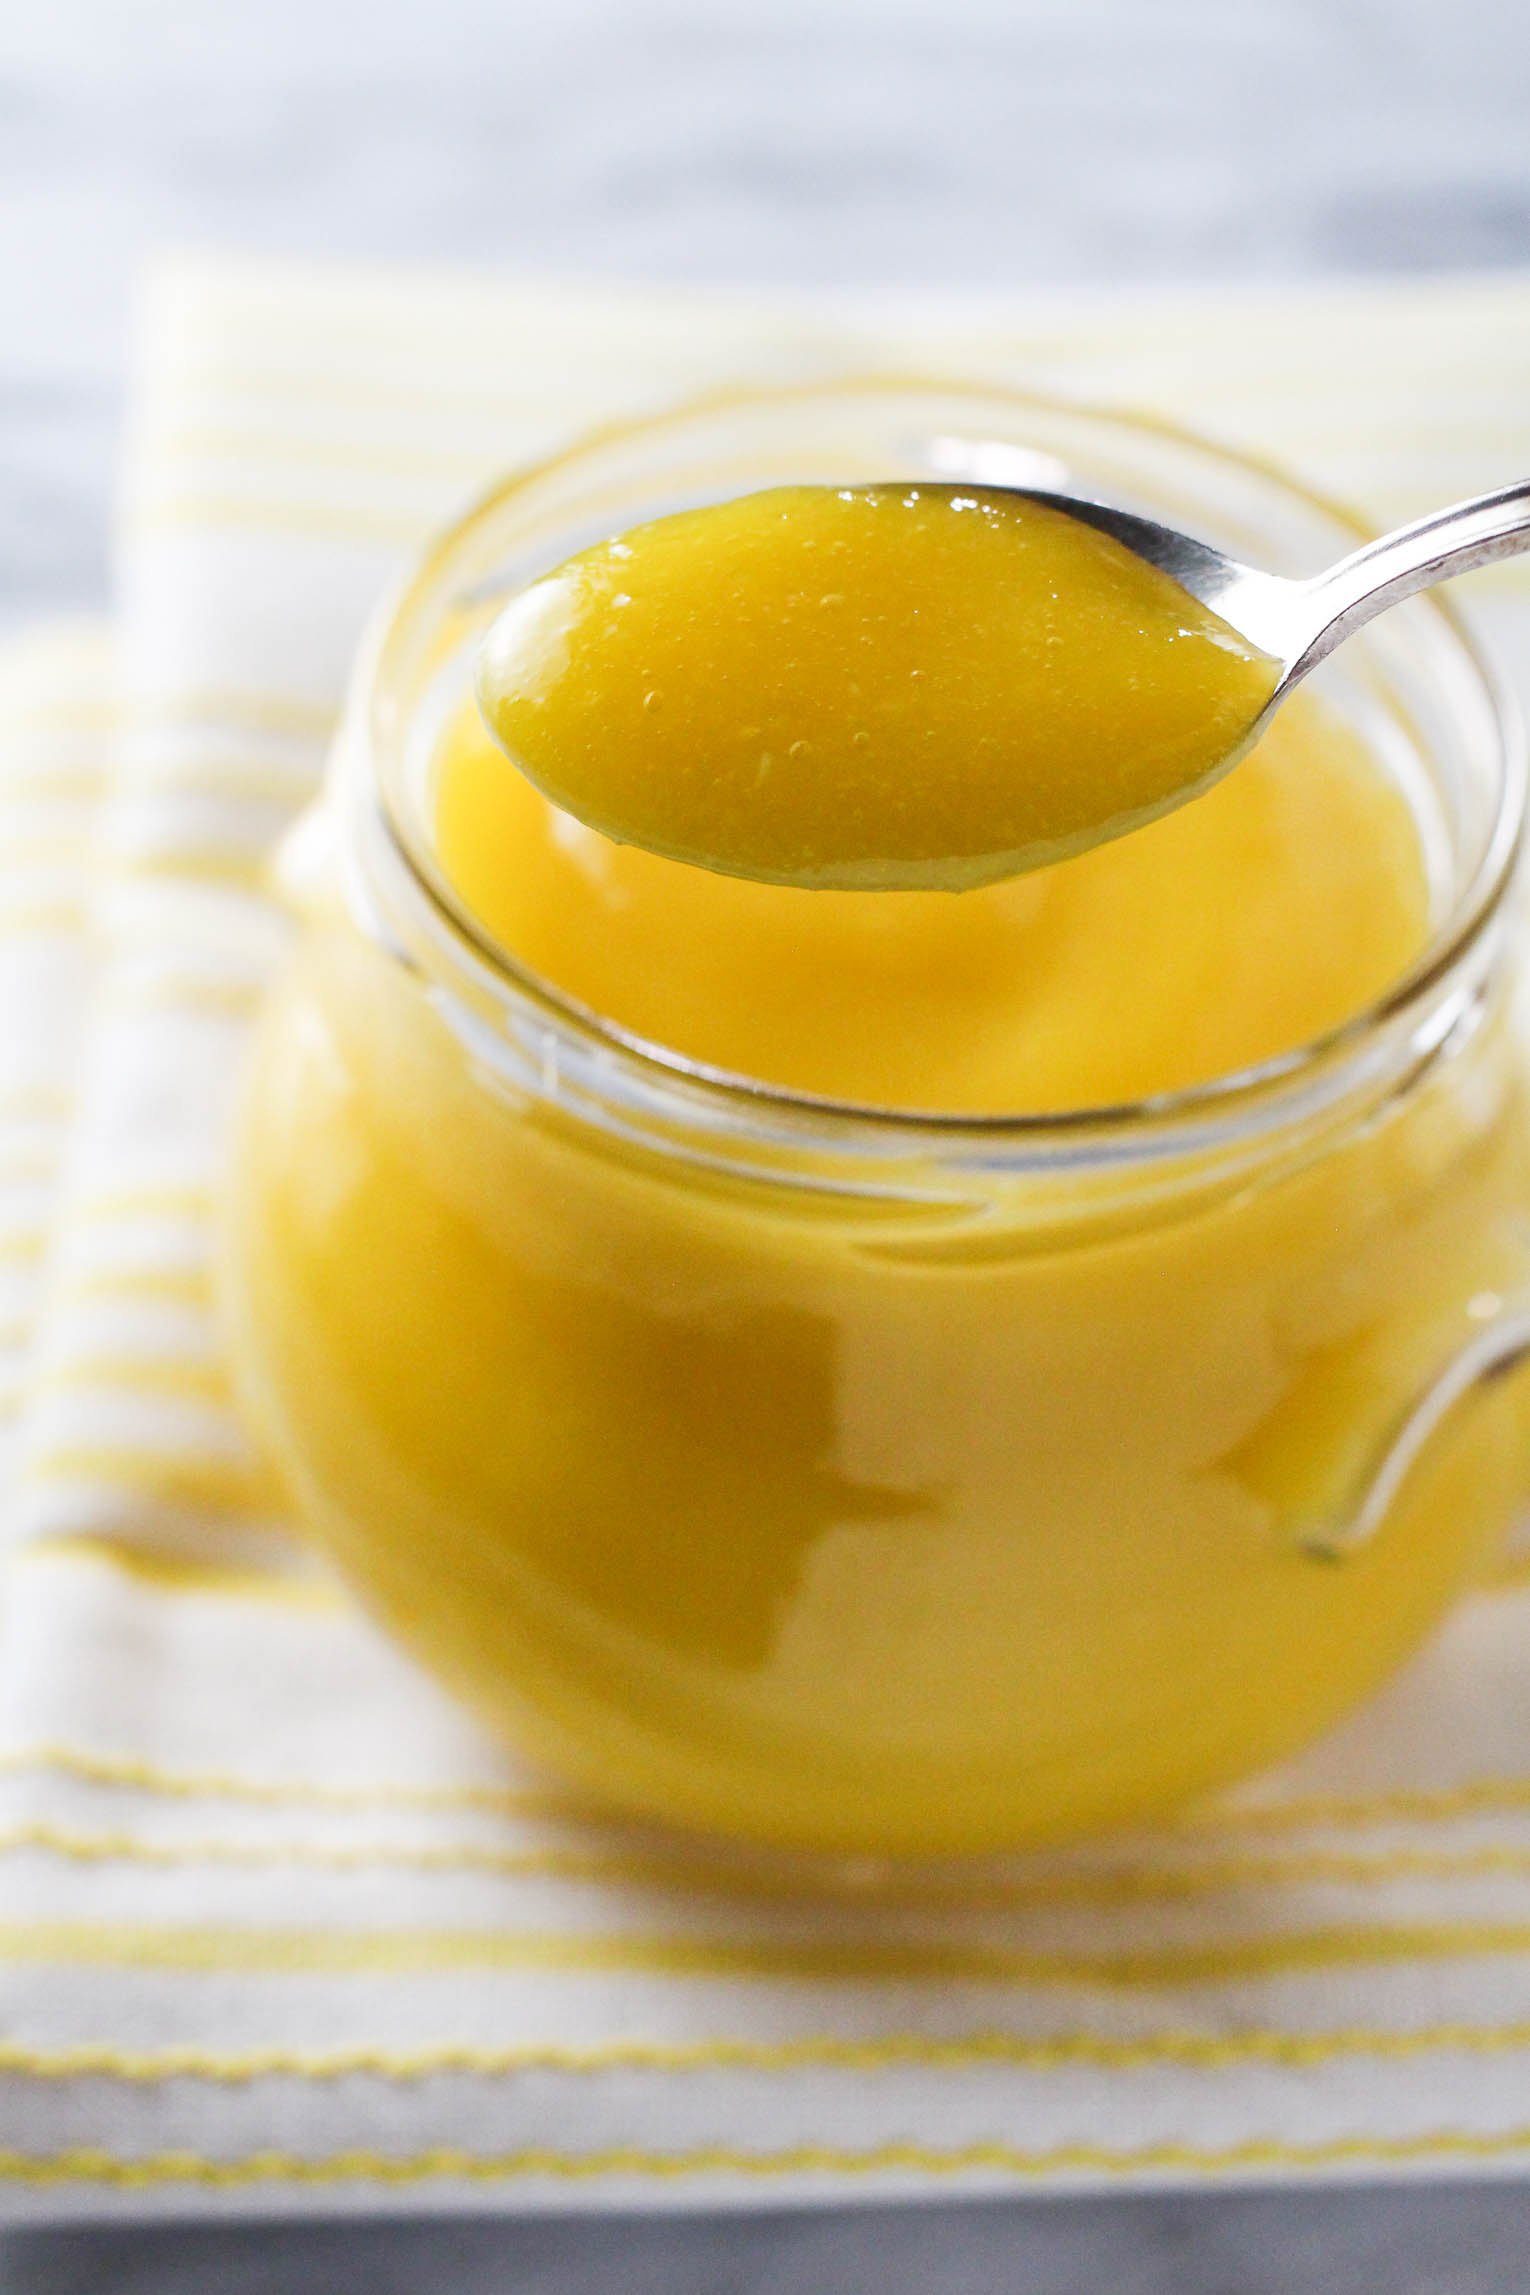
x=531, y=1046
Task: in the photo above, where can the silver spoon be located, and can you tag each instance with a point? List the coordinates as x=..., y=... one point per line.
x=1293, y=623
x=1299, y=622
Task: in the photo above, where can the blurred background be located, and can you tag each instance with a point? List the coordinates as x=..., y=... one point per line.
x=980, y=144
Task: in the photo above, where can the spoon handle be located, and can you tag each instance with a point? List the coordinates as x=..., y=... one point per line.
x=1447, y=542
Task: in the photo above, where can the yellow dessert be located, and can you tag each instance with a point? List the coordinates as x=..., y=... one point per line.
x=1234, y=929
x=887, y=1501
x=897, y=1481
x=867, y=686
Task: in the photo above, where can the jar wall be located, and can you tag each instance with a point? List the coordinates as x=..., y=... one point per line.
x=841, y=1524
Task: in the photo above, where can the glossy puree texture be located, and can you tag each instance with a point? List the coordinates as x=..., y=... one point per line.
x=1228, y=932
x=872, y=686
x=878, y=1503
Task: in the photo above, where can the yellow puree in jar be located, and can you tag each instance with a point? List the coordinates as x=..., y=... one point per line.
x=1235, y=928
x=867, y=686
x=833, y=1519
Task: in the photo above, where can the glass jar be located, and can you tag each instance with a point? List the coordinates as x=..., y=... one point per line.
x=857, y=1481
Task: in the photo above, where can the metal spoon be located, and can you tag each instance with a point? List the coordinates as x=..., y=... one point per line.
x=1299, y=622
x=1293, y=624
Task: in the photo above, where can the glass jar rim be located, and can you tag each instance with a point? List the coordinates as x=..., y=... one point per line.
x=1214, y=1102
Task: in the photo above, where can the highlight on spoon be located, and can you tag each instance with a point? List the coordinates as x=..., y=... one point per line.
x=872, y=687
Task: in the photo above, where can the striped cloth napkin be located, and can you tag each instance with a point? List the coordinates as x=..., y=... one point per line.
x=278, y=1929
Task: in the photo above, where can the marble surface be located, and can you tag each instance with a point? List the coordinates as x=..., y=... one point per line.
x=979, y=141
x=985, y=142
x=1463, y=2241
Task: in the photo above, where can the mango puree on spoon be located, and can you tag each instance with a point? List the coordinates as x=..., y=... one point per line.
x=868, y=687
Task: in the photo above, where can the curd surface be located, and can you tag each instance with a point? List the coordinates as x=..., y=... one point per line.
x=1232, y=930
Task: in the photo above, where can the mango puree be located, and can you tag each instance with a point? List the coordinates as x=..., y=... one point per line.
x=942, y=1507
x=867, y=687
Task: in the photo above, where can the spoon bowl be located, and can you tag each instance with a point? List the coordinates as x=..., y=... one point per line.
x=900, y=687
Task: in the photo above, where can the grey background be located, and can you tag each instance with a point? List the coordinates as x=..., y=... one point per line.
x=981, y=142
x=986, y=142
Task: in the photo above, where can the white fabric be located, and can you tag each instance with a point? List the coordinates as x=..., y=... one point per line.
x=278, y=1929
